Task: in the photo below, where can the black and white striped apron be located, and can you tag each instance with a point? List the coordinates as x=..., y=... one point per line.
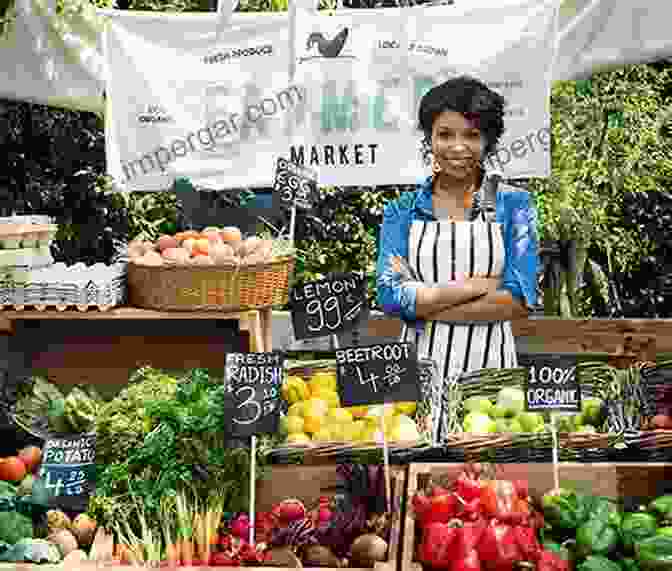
x=438, y=250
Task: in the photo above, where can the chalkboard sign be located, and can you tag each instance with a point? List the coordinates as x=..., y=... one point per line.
x=294, y=184
x=377, y=374
x=255, y=380
x=552, y=382
x=326, y=307
x=68, y=470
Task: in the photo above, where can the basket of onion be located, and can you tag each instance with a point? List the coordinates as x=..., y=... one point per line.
x=215, y=269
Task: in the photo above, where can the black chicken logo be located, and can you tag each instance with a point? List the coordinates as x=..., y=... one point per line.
x=327, y=48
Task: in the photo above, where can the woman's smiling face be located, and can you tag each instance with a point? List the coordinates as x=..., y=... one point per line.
x=457, y=144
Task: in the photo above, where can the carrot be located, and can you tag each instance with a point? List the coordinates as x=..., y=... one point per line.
x=173, y=554
x=186, y=548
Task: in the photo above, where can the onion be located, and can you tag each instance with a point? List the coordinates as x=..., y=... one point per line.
x=367, y=549
x=281, y=557
x=65, y=541
x=319, y=556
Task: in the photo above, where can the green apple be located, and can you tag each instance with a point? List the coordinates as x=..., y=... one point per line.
x=512, y=399
x=502, y=425
x=478, y=404
x=516, y=427
x=591, y=408
x=479, y=423
x=587, y=428
x=529, y=421
x=497, y=412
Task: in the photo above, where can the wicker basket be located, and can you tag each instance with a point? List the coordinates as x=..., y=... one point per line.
x=178, y=288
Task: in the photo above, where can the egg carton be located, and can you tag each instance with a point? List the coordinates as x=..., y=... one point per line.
x=20, y=260
x=59, y=286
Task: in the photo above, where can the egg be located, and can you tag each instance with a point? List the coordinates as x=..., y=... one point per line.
x=201, y=246
x=135, y=250
x=189, y=244
x=231, y=234
x=182, y=236
x=248, y=246
x=153, y=259
x=164, y=242
x=176, y=255
x=222, y=254
x=202, y=260
x=212, y=236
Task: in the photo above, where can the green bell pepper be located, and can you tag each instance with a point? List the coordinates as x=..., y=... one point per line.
x=566, y=509
x=598, y=563
x=635, y=527
x=596, y=536
x=662, y=507
x=629, y=565
x=664, y=531
x=655, y=553
x=558, y=549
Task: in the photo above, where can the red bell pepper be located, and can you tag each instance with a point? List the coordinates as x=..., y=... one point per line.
x=441, y=509
x=438, y=491
x=498, y=548
x=467, y=488
x=470, y=562
x=528, y=544
x=437, y=548
x=549, y=561
x=421, y=505
x=468, y=537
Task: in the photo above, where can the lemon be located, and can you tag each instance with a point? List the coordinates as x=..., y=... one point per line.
x=323, y=435
x=325, y=379
x=350, y=432
x=296, y=409
x=358, y=428
x=295, y=424
x=330, y=397
x=404, y=433
x=358, y=411
x=300, y=438
x=339, y=415
x=315, y=407
x=313, y=423
x=406, y=407
x=337, y=433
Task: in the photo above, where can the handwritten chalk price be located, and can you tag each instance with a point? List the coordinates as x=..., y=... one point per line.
x=329, y=306
x=294, y=184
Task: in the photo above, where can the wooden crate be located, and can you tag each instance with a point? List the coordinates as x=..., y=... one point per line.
x=308, y=483
x=632, y=482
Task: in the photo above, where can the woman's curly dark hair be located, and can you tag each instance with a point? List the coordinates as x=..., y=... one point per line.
x=468, y=96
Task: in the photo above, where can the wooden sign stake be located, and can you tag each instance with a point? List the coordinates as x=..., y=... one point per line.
x=292, y=223
x=253, y=482
x=556, y=467
x=386, y=464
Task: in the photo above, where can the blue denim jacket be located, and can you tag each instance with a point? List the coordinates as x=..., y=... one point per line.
x=516, y=213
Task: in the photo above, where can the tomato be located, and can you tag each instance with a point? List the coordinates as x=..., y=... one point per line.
x=31, y=456
x=441, y=509
x=12, y=469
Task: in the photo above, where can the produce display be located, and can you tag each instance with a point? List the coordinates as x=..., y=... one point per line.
x=505, y=413
x=480, y=523
x=30, y=532
x=315, y=414
x=43, y=409
x=209, y=247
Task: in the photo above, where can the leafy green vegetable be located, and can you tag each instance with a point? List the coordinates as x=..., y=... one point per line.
x=598, y=563
x=662, y=507
x=567, y=509
x=596, y=536
x=655, y=553
x=30, y=550
x=15, y=526
x=635, y=527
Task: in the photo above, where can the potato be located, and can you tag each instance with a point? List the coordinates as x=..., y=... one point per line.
x=248, y=246
x=150, y=259
x=222, y=254
x=176, y=256
x=136, y=250
x=202, y=260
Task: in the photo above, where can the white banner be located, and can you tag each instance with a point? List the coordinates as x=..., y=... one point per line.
x=184, y=103
x=365, y=73
x=221, y=111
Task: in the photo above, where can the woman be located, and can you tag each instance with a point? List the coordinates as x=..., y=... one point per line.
x=453, y=274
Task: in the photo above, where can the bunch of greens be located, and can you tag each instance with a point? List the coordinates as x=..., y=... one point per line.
x=171, y=440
